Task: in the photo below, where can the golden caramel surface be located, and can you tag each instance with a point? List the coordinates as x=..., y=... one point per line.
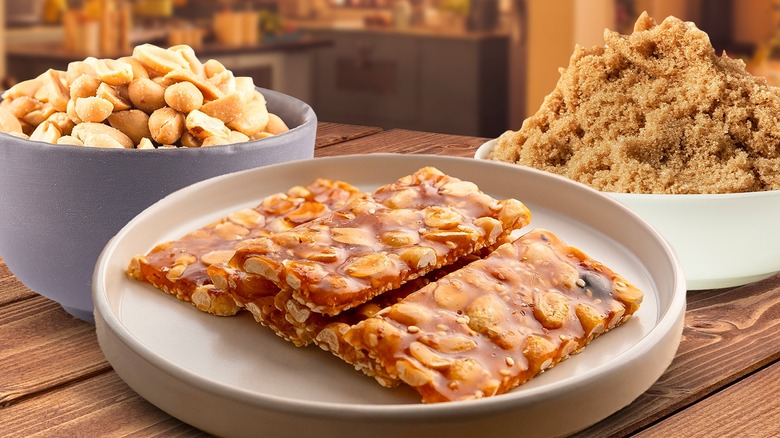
x=496, y=323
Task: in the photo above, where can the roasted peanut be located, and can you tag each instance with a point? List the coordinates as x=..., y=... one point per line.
x=441, y=217
x=450, y=295
x=83, y=131
x=237, y=137
x=189, y=55
x=70, y=140
x=247, y=217
x=9, y=123
x=139, y=70
x=459, y=188
x=254, y=118
x=84, y=86
x=166, y=125
x=418, y=257
x=428, y=357
x=115, y=95
x=21, y=106
x=93, y=109
x=590, y=319
x=551, y=309
x=23, y=89
x=209, y=90
x=246, y=86
x=113, y=72
x=214, y=140
x=133, y=123
x=227, y=108
x=491, y=227
x=146, y=95
x=402, y=199
x=412, y=375
x=46, y=132
x=225, y=82
x=400, y=238
x=37, y=116
x=352, y=236
x=409, y=314
x=71, y=112
x=203, y=126
x=183, y=97
x=159, y=60
x=77, y=69
x=539, y=351
x=102, y=141
x=21, y=135
x=190, y=141
x=485, y=313
x=62, y=121
x=212, y=67
x=368, y=265
x=450, y=344
x=53, y=91
x=145, y=143
x=275, y=125
x=467, y=370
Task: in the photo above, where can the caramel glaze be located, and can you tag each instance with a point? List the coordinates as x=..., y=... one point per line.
x=219, y=239
x=496, y=323
x=376, y=243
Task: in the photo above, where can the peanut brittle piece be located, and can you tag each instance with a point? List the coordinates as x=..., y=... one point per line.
x=376, y=243
x=497, y=322
x=179, y=267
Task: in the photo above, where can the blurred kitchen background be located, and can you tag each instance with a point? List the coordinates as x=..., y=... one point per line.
x=471, y=67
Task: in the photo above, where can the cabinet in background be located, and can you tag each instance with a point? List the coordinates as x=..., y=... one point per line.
x=447, y=84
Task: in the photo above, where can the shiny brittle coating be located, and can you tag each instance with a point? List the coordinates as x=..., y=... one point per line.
x=498, y=322
x=155, y=98
x=373, y=244
x=180, y=267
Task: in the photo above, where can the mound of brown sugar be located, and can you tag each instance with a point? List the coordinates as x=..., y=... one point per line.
x=656, y=111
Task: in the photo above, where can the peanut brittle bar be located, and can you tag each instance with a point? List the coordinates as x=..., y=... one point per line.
x=298, y=325
x=179, y=267
x=497, y=322
x=373, y=244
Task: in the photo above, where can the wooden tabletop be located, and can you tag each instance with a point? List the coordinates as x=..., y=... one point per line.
x=724, y=381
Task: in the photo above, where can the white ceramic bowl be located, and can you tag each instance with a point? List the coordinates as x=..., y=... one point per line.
x=59, y=204
x=721, y=240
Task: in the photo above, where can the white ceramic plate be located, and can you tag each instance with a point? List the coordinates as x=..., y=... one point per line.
x=722, y=240
x=232, y=377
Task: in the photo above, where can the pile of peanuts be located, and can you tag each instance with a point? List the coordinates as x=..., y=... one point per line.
x=156, y=98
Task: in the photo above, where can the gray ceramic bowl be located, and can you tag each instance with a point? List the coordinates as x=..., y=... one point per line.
x=60, y=205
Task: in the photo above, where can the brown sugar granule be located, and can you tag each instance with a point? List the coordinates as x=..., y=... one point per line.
x=656, y=111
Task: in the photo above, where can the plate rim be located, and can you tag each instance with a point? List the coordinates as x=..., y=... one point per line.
x=667, y=322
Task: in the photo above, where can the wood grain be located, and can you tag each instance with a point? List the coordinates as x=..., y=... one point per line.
x=728, y=334
x=43, y=347
x=754, y=401
x=10, y=288
x=407, y=142
x=101, y=406
x=332, y=133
